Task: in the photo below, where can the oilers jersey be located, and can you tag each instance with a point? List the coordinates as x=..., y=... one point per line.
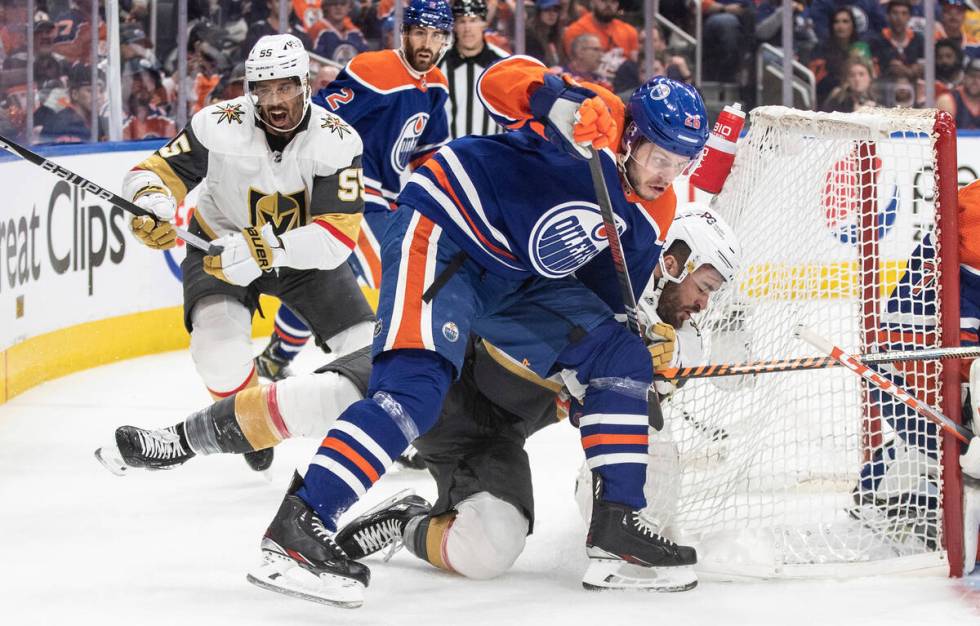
x=401, y=117
x=538, y=216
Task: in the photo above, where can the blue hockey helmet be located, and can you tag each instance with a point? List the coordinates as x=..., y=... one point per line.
x=669, y=113
x=429, y=13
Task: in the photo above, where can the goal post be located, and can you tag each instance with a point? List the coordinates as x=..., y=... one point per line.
x=847, y=223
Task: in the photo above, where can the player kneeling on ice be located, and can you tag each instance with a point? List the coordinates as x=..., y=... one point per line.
x=281, y=202
x=475, y=451
x=487, y=236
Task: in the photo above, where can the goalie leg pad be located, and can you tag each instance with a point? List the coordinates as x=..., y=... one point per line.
x=221, y=345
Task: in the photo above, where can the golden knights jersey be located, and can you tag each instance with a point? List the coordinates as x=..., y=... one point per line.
x=251, y=177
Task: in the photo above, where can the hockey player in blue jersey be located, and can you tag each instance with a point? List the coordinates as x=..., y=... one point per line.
x=396, y=100
x=902, y=479
x=486, y=237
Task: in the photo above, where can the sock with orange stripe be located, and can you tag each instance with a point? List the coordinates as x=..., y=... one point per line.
x=614, y=426
x=292, y=334
x=404, y=398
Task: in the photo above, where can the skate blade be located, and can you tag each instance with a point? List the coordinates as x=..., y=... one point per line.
x=384, y=504
x=282, y=575
x=110, y=459
x=615, y=574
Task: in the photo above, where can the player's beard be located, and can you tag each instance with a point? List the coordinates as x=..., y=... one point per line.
x=421, y=59
x=282, y=117
x=669, y=306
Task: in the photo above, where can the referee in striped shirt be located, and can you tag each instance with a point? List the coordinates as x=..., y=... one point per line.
x=463, y=64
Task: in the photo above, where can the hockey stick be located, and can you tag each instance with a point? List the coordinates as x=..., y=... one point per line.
x=654, y=413
x=76, y=179
x=811, y=363
x=877, y=380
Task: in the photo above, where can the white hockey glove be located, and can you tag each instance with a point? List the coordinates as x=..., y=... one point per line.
x=157, y=233
x=974, y=385
x=244, y=255
x=970, y=462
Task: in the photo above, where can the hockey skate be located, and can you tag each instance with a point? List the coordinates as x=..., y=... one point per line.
x=260, y=460
x=301, y=558
x=626, y=551
x=382, y=526
x=411, y=459
x=270, y=366
x=147, y=449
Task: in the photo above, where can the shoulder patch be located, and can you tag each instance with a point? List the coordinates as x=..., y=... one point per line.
x=228, y=112
x=335, y=125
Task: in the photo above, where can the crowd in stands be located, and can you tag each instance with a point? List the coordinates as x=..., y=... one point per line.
x=862, y=52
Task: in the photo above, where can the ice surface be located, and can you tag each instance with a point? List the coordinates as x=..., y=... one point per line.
x=81, y=546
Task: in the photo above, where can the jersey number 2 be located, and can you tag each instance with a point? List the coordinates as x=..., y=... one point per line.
x=343, y=96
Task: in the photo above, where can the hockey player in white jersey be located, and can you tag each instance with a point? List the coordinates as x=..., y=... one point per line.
x=283, y=197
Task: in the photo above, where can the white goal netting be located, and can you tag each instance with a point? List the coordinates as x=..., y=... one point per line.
x=812, y=473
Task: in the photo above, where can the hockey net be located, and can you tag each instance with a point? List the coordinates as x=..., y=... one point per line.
x=830, y=211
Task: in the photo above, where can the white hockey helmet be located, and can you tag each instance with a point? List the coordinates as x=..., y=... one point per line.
x=710, y=238
x=278, y=56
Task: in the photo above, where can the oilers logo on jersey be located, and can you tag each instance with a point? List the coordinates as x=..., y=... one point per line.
x=566, y=236
x=408, y=141
x=284, y=211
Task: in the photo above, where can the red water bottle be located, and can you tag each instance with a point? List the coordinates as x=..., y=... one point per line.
x=719, y=152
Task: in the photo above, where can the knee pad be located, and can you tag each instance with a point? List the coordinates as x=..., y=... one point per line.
x=310, y=405
x=357, y=336
x=486, y=537
x=221, y=345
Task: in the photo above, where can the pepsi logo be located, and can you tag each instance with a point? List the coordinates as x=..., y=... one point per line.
x=843, y=199
x=566, y=236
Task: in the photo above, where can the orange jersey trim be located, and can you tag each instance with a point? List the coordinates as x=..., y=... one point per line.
x=371, y=257
x=969, y=224
x=410, y=328
x=433, y=166
x=384, y=71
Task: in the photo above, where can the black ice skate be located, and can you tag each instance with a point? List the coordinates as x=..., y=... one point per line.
x=626, y=551
x=269, y=365
x=301, y=558
x=411, y=459
x=382, y=526
x=147, y=449
x=260, y=460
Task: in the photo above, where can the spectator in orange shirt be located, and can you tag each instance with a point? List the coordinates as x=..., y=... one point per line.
x=613, y=34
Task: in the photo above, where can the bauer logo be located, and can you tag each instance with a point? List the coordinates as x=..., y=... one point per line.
x=566, y=237
x=408, y=141
x=848, y=186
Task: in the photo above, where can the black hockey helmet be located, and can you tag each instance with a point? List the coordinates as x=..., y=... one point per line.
x=470, y=7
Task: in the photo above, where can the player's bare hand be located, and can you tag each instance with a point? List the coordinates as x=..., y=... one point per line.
x=662, y=343
x=244, y=256
x=158, y=235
